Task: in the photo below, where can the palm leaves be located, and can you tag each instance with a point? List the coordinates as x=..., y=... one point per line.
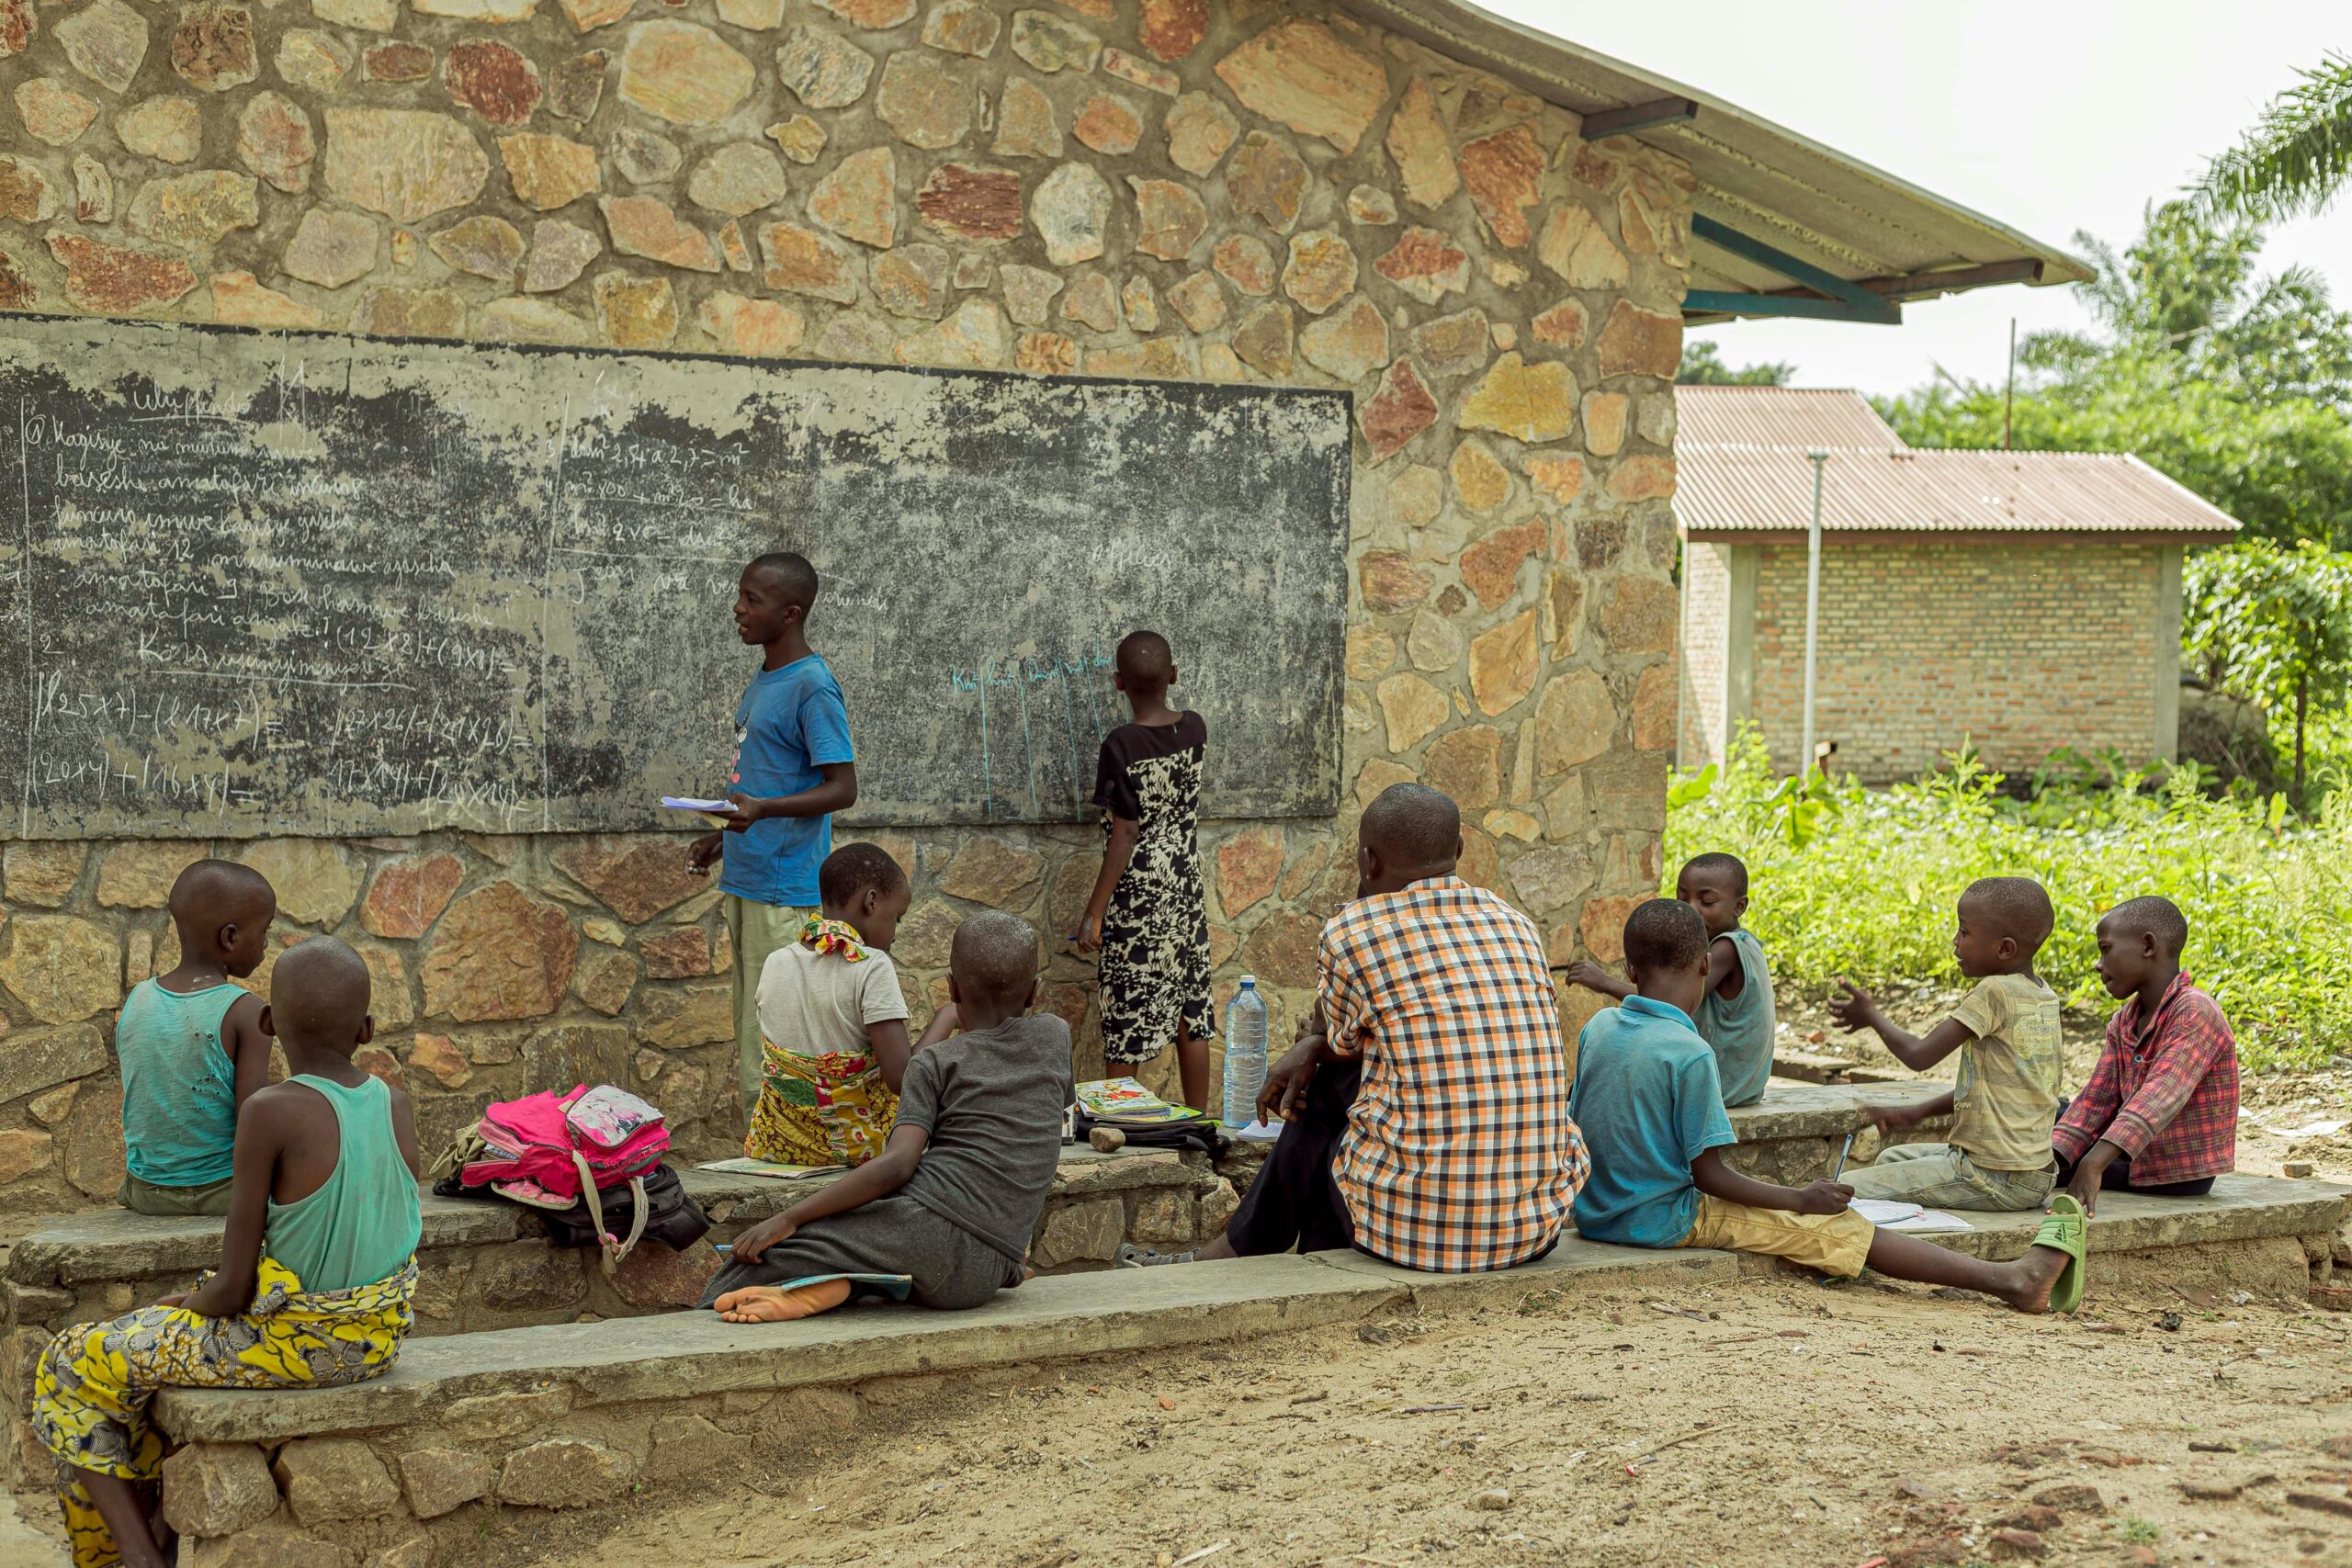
x=2297, y=156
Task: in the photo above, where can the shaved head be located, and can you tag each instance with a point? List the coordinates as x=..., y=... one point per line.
x=1146, y=662
x=792, y=574
x=1663, y=935
x=1728, y=870
x=2015, y=907
x=212, y=892
x=2152, y=917
x=994, y=958
x=1414, y=826
x=319, y=994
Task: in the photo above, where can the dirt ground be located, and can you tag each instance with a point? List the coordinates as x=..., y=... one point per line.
x=1775, y=1422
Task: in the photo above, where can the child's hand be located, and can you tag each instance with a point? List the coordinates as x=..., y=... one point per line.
x=1090, y=933
x=1586, y=973
x=1856, y=1010
x=1888, y=1118
x=760, y=1237
x=1824, y=1197
x=178, y=1300
x=742, y=812
x=702, y=852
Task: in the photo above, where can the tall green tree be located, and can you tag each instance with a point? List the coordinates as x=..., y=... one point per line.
x=2274, y=624
x=2297, y=156
x=1703, y=366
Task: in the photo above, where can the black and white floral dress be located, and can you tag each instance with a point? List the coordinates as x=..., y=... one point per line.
x=1155, y=966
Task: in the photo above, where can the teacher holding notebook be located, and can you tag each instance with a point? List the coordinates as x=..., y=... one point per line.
x=794, y=768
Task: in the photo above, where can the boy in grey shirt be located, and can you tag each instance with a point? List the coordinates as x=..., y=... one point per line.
x=943, y=1214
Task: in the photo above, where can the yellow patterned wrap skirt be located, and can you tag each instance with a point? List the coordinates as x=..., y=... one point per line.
x=832, y=1110
x=91, y=1389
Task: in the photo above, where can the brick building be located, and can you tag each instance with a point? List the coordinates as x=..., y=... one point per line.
x=2019, y=601
x=1490, y=237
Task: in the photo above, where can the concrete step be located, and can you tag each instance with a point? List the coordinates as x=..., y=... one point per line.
x=578, y=1414
x=629, y=1360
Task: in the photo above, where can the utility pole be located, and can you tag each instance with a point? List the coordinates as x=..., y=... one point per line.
x=1820, y=460
x=2009, y=397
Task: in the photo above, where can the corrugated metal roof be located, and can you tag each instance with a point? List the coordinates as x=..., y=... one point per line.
x=1740, y=466
x=1778, y=416
x=1811, y=201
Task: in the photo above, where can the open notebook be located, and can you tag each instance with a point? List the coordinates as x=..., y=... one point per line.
x=1887, y=1214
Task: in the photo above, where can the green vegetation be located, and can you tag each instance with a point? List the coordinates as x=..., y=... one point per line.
x=2234, y=382
x=2275, y=626
x=2297, y=156
x=1703, y=366
x=1861, y=883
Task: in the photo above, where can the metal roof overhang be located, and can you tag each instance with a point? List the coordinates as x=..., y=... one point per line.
x=1782, y=226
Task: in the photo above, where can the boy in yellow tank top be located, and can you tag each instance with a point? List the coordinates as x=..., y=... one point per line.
x=317, y=1267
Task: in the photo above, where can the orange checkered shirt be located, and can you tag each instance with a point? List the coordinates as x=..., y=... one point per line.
x=1459, y=1154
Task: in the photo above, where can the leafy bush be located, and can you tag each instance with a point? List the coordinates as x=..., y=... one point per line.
x=1860, y=883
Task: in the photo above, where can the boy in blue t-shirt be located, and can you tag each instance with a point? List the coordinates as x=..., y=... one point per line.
x=1651, y=1107
x=794, y=768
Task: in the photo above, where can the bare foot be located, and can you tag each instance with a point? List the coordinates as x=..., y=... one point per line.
x=768, y=1304
x=2033, y=1277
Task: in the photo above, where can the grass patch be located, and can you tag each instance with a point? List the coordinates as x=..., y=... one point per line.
x=1845, y=881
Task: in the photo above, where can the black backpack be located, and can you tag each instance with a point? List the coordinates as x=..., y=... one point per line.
x=1195, y=1131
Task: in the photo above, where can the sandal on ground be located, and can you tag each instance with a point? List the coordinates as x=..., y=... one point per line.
x=2066, y=1229
x=1134, y=1256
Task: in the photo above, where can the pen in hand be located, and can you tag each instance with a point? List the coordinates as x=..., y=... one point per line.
x=1842, y=1153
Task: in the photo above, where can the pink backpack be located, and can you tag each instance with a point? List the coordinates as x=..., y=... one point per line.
x=550, y=1151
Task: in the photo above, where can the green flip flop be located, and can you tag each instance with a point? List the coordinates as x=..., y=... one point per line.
x=2067, y=1229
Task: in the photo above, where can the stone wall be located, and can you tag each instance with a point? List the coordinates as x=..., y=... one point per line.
x=1245, y=191
x=2020, y=645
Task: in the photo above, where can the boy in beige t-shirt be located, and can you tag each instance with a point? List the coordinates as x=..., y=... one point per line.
x=2006, y=1099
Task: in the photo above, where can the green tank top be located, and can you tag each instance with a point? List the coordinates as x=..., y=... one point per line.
x=362, y=1226
x=179, y=1087
x=1741, y=1030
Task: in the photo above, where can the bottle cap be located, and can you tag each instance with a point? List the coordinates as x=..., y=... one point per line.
x=1249, y=982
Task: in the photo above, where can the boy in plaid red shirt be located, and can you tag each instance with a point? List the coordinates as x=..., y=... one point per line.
x=2160, y=1112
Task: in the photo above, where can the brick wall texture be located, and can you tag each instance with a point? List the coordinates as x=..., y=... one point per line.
x=1170, y=188
x=2020, y=646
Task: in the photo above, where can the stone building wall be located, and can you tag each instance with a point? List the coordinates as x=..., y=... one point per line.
x=1238, y=190
x=2020, y=645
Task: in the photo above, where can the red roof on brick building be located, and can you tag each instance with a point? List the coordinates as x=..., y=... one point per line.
x=1741, y=467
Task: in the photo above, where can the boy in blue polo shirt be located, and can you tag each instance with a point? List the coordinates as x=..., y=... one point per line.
x=794, y=768
x=1651, y=1107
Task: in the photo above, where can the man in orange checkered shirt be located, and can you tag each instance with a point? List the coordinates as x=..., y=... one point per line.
x=1425, y=1102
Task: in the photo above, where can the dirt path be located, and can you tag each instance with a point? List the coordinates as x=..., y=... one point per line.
x=1775, y=1422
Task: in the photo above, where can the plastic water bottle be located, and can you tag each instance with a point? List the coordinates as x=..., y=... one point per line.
x=1245, y=1053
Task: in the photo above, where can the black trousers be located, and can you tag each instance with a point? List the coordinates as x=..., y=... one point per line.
x=1296, y=1200
x=2116, y=1177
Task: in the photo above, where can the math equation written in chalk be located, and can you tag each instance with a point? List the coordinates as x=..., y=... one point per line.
x=256, y=583
x=1051, y=714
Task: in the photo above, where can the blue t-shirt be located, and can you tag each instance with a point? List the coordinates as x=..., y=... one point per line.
x=790, y=723
x=1649, y=1102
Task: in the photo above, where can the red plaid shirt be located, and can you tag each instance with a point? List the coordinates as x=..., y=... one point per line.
x=2165, y=1092
x=1459, y=1154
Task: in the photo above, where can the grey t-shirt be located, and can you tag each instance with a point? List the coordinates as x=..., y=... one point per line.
x=992, y=1101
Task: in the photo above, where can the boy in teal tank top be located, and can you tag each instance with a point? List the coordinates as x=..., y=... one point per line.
x=191, y=1046
x=317, y=1267
x=1737, y=1017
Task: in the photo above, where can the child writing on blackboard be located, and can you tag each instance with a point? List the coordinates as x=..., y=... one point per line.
x=1148, y=917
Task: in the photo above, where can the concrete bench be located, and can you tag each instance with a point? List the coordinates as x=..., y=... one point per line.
x=486, y=1265
x=580, y=1415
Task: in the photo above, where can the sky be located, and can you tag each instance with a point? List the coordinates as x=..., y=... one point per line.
x=2051, y=117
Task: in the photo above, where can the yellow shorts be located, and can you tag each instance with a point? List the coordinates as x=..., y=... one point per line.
x=1835, y=1244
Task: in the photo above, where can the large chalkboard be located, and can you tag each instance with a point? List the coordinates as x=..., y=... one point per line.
x=263, y=583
